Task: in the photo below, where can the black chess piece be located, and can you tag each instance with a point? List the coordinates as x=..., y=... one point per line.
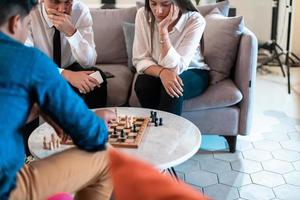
x=122, y=134
x=160, y=121
x=115, y=131
x=134, y=128
x=153, y=119
x=151, y=114
x=155, y=122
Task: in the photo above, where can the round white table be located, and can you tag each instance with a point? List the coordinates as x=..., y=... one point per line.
x=164, y=146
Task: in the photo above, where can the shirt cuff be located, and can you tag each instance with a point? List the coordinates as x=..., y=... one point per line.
x=60, y=70
x=143, y=65
x=75, y=39
x=171, y=59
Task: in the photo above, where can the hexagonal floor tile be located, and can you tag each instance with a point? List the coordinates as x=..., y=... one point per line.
x=203, y=155
x=233, y=178
x=242, y=145
x=199, y=189
x=293, y=178
x=224, y=192
x=277, y=166
x=226, y=156
x=284, y=127
x=214, y=165
x=180, y=175
x=268, y=179
x=266, y=145
x=294, y=135
x=297, y=165
x=287, y=192
x=286, y=155
x=276, y=136
x=291, y=145
x=188, y=166
x=201, y=178
x=254, y=191
x=257, y=155
x=246, y=166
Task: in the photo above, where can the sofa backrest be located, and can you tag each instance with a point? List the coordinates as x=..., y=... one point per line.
x=109, y=37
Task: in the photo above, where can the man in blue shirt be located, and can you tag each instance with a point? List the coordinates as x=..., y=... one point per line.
x=24, y=80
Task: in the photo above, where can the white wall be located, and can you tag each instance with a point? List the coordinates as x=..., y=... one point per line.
x=258, y=17
x=296, y=31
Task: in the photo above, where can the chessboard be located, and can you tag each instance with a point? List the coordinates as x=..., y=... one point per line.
x=127, y=131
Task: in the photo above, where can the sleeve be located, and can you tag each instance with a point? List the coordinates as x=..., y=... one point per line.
x=82, y=41
x=183, y=54
x=29, y=39
x=141, y=55
x=65, y=107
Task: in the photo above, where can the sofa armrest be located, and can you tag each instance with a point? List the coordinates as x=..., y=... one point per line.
x=244, y=76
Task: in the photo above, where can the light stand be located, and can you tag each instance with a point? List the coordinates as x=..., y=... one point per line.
x=272, y=46
x=287, y=57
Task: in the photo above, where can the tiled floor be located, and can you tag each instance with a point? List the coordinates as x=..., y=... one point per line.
x=267, y=163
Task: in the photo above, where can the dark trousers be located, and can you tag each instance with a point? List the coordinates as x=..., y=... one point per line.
x=96, y=98
x=152, y=94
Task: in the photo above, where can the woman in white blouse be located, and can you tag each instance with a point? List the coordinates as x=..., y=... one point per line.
x=167, y=54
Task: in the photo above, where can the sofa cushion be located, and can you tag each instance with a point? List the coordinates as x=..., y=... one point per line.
x=119, y=86
x=221, y=40
x=222, y=94
x=222, y=6
x=128, y=29
x=109, y=37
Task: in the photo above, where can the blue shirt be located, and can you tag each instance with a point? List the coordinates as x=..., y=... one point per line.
x=28, y=76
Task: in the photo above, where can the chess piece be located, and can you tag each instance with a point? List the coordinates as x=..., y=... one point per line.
x=160, y=121
x=45, y=143
x=126, y=122
x=50, y=144
x=115, y=131
x=155, y=122
x=122, y=134
x=116, y=112
x=134, y=128
x=52, y=137
x=130, y=121
x=57, y=143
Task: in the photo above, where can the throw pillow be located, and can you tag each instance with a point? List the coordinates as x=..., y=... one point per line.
x=222, y=6
x=221, y=40
x=136, y=180
x=128, y=30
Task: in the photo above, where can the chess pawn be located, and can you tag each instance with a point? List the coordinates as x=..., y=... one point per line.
x=45, y=143
x=50, y=144
x=52, y=137
x=130, y=122
x=126, y=122
x=57, y=143
x=160, y=121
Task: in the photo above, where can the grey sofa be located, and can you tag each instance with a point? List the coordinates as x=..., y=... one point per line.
x=224, y=109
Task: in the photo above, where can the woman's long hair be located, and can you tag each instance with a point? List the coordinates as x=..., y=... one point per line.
x=183, y=5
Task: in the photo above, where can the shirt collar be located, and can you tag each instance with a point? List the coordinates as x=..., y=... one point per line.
x=181, y=22
x=45, y=15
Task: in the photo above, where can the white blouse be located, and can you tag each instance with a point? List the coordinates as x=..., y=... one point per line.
x=185, y=37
